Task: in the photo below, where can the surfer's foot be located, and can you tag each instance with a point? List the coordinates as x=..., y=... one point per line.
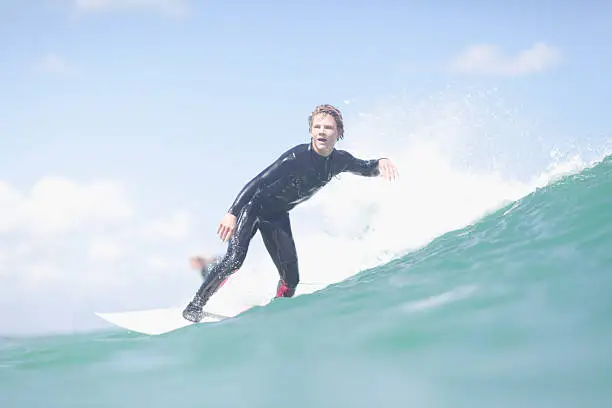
x=193, y=312
x=283, y=290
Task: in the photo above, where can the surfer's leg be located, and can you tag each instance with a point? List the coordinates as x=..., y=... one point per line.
x=278, y=239
x=246, y=227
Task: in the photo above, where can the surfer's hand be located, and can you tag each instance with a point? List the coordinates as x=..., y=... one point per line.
x=387, y=169
x=227, y=227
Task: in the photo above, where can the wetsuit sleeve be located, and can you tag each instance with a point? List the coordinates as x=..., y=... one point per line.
x=271, y=173
x=351, y=164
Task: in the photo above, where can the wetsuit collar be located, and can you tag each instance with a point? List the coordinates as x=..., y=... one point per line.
x=317, y=155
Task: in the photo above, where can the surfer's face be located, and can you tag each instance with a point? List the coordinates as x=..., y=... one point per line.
x=324, y=133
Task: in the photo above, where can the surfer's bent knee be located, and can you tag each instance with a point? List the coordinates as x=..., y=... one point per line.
x=235, y=259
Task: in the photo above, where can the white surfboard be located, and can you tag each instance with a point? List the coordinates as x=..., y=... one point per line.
x=160, y=321
x=164, y=320
x=223, y=305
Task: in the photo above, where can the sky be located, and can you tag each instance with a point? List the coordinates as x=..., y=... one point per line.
x=127, y=127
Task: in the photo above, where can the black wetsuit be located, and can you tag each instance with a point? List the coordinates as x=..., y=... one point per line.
x=264, y=204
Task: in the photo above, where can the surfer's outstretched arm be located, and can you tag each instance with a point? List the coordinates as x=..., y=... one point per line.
x=368, y=168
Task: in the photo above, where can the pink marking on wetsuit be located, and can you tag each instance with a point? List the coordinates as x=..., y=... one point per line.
x=225, y=280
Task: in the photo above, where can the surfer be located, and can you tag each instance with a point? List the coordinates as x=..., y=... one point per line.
x=264, y=203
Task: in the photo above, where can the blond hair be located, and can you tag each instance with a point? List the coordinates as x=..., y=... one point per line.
x=328, y=110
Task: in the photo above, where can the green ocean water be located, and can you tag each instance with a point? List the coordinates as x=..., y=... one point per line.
x=514, y=310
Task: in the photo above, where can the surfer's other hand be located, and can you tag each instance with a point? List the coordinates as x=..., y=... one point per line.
x=227, y=227
x=388, y=169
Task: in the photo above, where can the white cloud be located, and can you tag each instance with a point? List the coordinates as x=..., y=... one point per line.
x=73, y=247
x=12, y=253
x=175, y=227
x=54, y=64
x=40, y=272
x=56, y=205
x=166, y=264
x=177, y=7
x=105, y=249
x=490, y=60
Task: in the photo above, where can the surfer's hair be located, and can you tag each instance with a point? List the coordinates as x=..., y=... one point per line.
x=328, y=110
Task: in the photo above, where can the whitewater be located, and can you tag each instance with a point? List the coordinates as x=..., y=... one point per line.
x=481, y=278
